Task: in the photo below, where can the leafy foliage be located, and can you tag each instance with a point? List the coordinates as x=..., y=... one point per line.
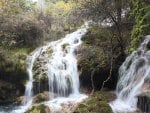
x=141, y=14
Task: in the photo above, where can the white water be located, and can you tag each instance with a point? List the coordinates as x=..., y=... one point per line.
x=61, y=70
x=29, y=84
x=133, y=75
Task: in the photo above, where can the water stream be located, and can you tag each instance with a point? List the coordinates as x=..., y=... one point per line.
x=134, y=80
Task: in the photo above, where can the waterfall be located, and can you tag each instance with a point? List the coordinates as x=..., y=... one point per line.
x=134, y=80
x=57, y=61
x=29, y=84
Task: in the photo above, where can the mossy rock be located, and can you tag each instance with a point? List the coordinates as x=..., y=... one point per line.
x=41, y=97
x=40, y=71
x=64, y=46
x=40, y=68
x=96, y=103
x=49, y=51
x=39, y=109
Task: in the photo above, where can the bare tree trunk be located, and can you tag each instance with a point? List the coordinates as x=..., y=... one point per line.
x=111, y=67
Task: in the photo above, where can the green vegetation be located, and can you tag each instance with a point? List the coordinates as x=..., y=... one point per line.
x=141, y=14
x=26, y=25
x=13, y=63
x=99, y=57
x=96, y=103
x=41, y=97
x=38, y=109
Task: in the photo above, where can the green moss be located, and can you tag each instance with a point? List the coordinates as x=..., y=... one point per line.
x=96, y=103
x=105, y=110
x=40, y=98
x=49, y=51
x=37, y=109
x=39, y=69
x=64, y=46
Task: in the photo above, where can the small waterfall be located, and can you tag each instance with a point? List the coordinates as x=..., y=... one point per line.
x=29, y=84
x=134, y=80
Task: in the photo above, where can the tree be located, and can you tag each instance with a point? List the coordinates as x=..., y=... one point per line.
x=106, y=10
x=17, y=20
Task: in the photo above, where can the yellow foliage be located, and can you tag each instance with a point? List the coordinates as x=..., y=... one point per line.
x=65, y=7
x=60, y=8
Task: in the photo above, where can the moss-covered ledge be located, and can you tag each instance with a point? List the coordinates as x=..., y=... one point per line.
x=96, y=103
x=39, y=109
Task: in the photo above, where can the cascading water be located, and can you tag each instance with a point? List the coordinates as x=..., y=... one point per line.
x=134, y=80
x=57, y=61
x=29, y=85
x=58, y=64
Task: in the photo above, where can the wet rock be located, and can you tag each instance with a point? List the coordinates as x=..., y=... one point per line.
x=144, y=97
x=69, y=107
x=41, y=97
x=20, y=100
x=148, y=46
x=144, y=103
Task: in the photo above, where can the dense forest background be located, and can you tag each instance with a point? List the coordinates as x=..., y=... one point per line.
x=118, y=28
